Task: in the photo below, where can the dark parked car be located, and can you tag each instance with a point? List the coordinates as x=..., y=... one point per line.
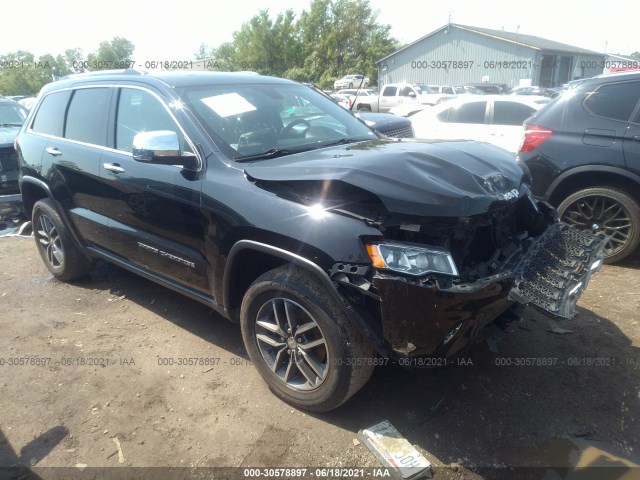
x=12, y=116
x=583, y=151
x=492, y=88
x=263, y=199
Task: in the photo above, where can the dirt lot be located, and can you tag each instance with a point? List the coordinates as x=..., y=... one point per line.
x=98, y=368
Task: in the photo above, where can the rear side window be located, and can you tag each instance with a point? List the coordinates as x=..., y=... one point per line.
x=472, y=112
x=140, y=111
x=389, y=91
x=87, y=116
x=616, y=101
x=50, y=116
x=511, y=113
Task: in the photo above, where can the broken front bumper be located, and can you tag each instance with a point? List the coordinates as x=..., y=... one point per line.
x=421, y=318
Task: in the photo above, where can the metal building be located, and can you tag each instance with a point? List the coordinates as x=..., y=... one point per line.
x=460, y=54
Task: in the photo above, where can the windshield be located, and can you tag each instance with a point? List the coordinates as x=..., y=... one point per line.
x=12, y=115
x=422, y=88
x=253, y=120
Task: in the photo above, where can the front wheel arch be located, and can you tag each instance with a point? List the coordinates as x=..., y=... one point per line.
x=288, y=300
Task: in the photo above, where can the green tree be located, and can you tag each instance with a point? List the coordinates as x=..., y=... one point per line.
x=21, y=74
x=116, y=53
x=340, y=37
x=331, y=39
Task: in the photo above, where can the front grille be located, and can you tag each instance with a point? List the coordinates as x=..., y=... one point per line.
x=557, y=269
x=8, y=160
x=404, y=132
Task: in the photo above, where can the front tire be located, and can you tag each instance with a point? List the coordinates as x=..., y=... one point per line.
x=609, y=211
x=57, y=249
x=301, y=341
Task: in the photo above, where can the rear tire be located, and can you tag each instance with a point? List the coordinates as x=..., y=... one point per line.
x=58, y=250
x=301, y=341
x=608, y=211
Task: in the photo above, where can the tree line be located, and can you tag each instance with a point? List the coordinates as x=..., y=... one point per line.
x=21, y=73
x=330, y=39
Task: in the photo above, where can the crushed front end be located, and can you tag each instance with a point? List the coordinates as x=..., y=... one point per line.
x=435, y=282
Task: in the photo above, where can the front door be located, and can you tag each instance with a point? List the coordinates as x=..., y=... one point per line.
x=155, y=219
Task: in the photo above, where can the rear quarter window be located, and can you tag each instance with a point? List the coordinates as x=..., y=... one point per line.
x=616, y=101
x=50, y=115
x=511, y=113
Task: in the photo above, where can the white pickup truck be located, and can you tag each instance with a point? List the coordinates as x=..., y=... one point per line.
x=397, y=94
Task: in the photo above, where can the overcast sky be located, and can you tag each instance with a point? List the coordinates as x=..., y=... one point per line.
x=173, y=31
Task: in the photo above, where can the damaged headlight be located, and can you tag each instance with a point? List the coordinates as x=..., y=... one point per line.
x=411, y=259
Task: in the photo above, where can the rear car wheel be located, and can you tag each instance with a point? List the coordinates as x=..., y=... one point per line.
x=301, y=342
x=608, y=211
x=57, y=249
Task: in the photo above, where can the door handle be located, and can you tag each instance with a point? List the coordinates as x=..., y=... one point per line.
x=113, y=167
x=636, y=138
x=53, y=151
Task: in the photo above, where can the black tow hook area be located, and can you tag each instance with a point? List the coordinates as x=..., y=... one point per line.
x=557, y=269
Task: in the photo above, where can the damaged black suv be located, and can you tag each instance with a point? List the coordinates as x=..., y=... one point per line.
x=259, y=197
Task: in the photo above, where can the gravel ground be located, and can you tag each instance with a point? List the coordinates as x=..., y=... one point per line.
x=101, y=385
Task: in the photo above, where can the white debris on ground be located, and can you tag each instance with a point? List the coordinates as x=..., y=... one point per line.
x=22, y=229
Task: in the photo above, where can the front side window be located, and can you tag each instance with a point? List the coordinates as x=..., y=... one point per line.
x=616, y=101
x=50, y=115
x=87, y=116
x=140, y=111
x=406, y=91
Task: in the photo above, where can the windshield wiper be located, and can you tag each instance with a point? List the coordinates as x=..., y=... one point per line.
x=14, y=124
x=274, y=152
x=342, y=141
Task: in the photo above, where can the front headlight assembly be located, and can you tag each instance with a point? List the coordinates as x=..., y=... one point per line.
x=411, y=259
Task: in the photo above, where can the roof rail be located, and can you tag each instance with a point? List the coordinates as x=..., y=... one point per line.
x=122, y=71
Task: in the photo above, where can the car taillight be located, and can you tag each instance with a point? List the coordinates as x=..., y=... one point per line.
x=533, y=137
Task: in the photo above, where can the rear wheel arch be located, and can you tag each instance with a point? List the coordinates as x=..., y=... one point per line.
x=33, y=190
x=593, y=176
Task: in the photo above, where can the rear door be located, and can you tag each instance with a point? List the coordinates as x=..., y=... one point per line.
x=388, y=98
x=71, y=162
x=610, y=107
x=465, y=121
x=631, y=145
x=155, y=219
x=506, y=121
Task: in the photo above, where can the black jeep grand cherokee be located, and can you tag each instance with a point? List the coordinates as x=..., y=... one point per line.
x=276, y=207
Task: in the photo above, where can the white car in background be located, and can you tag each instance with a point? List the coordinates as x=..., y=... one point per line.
x=351, y=81
x=495, y=119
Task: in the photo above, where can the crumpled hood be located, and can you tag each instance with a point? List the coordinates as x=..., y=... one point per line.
x=436, y=178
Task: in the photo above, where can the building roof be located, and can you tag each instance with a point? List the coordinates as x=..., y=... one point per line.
x=518, y=38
